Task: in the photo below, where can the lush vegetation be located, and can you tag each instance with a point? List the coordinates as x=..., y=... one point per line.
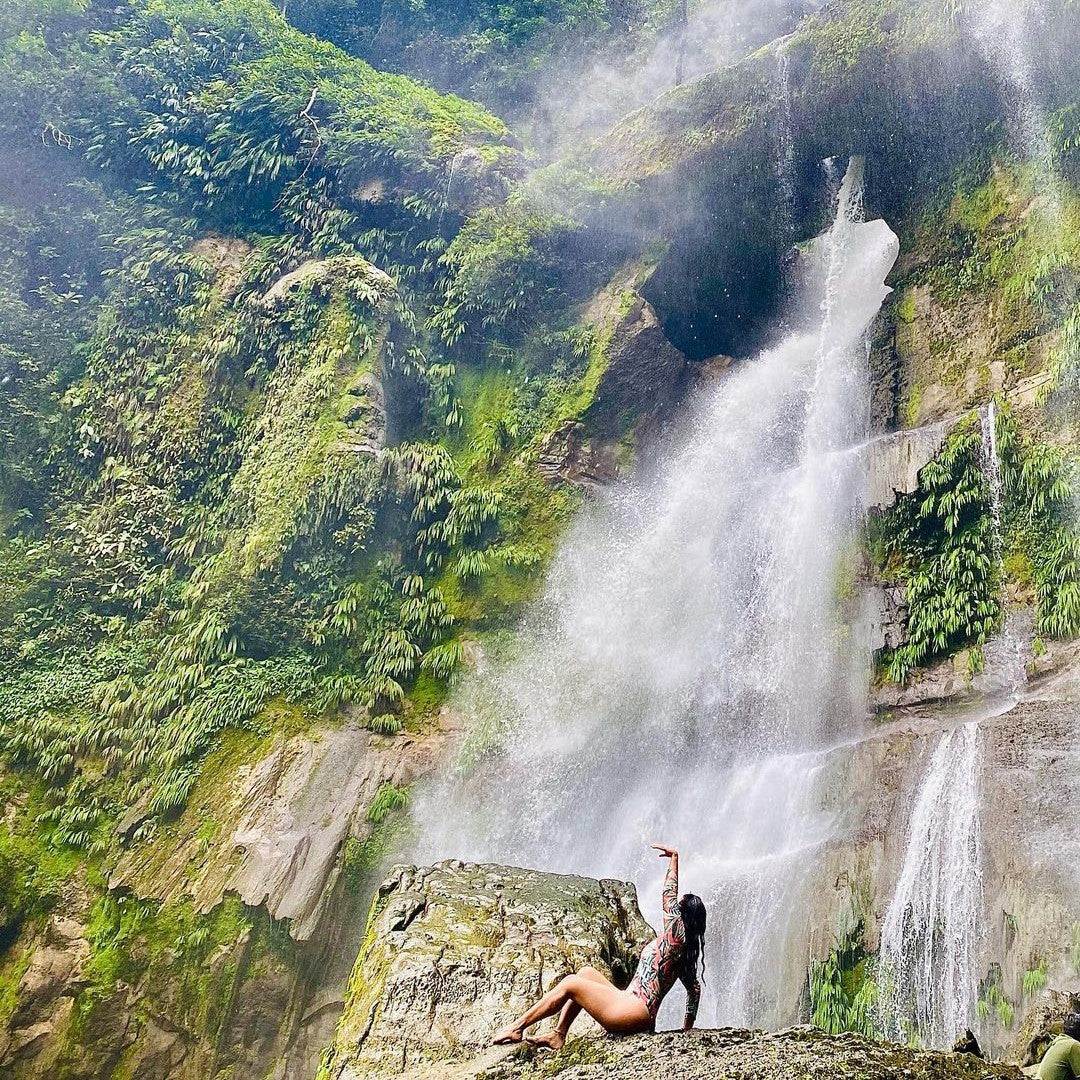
x=940, y=542
x=956, y=551
x=282, y=338
x=269, y=418
x=502, y=54
x=198, y=518
x=843, y=993
x=1039, y=528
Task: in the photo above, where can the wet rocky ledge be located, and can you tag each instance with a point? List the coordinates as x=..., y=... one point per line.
x=804, y=1053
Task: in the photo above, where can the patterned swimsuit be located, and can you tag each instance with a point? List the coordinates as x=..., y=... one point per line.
x=661, y=959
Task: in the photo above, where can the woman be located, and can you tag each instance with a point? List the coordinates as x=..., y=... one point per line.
x=675, y=954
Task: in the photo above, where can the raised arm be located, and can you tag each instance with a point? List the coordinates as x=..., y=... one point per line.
x=670, y=898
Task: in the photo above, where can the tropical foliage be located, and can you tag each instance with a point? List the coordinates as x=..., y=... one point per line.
x=843, y=996
x=955, y=552
x=198, y=516
x=939, y=541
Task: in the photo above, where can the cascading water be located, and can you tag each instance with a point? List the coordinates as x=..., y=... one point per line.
x=928, y=958
x=681, y=677
x=927, y=965
x=785, y=143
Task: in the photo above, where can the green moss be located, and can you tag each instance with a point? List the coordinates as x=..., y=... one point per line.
x=990, y=242
x=13, y=966
x=577, y=1052
x=905, y=306
x=1019, y=569
x=188, y=964
x=364, y=991
x=426, y=697
x=34, y=866
x=838, y=45
x=362, y=860
x=912, y=406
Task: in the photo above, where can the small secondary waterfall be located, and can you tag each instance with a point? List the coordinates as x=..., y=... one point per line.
x=927, y=966
x=682, y=676
x=929, y=955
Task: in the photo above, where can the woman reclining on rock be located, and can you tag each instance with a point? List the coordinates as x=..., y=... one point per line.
x=675, y=954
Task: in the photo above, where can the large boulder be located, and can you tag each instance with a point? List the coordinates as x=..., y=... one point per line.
x=644, y=373
x=454, y=951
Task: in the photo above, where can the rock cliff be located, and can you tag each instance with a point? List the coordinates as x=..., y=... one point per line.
x=294, y=408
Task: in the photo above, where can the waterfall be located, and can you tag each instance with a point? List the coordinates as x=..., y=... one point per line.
x=682, y=675
x=785, y=143
x=928, y=958
x=991, y=469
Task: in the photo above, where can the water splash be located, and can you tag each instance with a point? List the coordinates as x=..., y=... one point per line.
x=1002, y=32
x=689, y=660
x=929, y=939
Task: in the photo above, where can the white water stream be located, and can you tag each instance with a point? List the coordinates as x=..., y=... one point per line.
x=690, y=662
x=929, y=939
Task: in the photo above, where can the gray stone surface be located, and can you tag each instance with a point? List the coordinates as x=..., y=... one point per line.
x=644, y=375
x=894, y=461
x=454, y=951
x=736, y=1054
x=569, y=456
x=282, y=823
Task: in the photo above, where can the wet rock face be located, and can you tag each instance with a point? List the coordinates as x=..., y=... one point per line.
x=45, y=998
x=1041, y=1025
x=283, y=821
x=644, y=374
x=454, y=951
x=895, y=461
x=749, y=1055
x=569, y=456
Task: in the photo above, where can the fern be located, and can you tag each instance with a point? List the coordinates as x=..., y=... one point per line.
x=843, y=997
x=1034, y=979
x=387, y=799
x=385, y=724
x=941, y=539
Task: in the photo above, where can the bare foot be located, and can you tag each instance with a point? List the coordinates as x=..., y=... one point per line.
x=554, y=1040
x=510, y=1035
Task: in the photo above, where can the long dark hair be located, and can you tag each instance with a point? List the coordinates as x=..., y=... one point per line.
x=692, y=911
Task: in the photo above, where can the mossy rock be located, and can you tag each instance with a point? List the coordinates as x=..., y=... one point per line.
x=455, y=950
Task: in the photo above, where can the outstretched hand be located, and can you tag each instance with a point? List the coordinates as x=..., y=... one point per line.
x=665, y=851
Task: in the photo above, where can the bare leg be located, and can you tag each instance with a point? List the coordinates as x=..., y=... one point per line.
x=557, y=1039
x=615, y=1010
